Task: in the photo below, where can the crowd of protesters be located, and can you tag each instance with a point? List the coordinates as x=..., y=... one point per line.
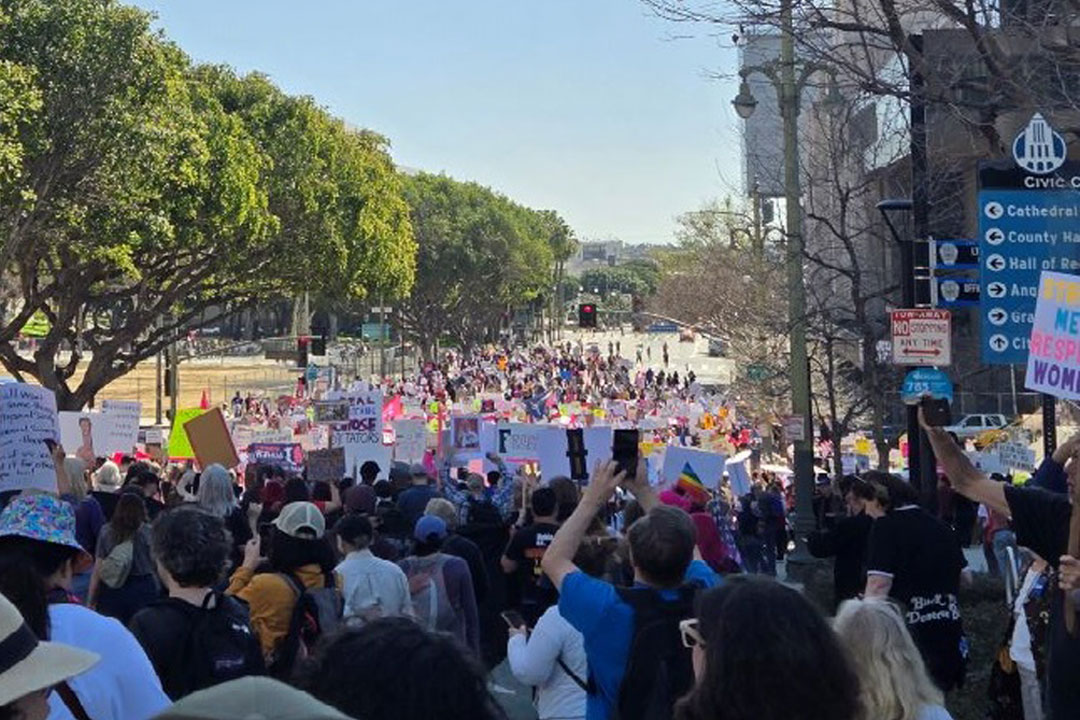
x=135, y=592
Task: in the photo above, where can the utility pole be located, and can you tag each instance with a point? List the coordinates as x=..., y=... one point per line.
x=789, y=85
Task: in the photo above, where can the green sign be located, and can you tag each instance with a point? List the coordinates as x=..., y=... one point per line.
x=179, y=442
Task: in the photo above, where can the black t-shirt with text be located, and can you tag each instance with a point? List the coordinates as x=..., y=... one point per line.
x=1041, y=521
x=924, y=559
x=527, y=548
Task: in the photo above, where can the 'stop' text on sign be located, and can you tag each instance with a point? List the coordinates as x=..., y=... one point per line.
x=922, y=337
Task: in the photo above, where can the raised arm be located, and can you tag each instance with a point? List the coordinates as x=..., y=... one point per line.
x=964, y=477
x=558, y=560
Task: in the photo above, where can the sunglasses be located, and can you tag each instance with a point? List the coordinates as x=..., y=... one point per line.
x=691, y=635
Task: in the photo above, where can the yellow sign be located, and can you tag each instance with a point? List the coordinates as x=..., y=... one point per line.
x=862, y=446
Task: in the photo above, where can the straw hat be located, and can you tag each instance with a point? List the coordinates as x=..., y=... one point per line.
x=27, y=664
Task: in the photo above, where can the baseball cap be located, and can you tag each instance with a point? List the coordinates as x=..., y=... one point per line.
x=250, y=698
x=418, y=470
x=429, y=525
x=297, y=517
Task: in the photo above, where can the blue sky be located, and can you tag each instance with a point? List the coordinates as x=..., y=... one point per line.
x=594, y=108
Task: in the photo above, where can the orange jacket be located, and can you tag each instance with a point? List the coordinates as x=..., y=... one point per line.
x=271, y=600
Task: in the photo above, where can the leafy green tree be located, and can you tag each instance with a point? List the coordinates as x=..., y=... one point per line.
x=153, y=199
x=479, y=254
x=639, y=278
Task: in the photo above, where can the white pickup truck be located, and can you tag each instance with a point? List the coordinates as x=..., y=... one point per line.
x=971, y=426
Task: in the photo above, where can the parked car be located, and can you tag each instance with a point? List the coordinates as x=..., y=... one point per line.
x=716, y=347
x=971, y=426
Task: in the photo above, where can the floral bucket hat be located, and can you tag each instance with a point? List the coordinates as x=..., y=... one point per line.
x=41, y=517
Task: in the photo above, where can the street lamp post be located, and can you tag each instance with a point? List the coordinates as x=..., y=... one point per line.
x=789, y=88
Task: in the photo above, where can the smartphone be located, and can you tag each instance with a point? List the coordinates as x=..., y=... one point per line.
x=513, y=618
x=624, y=451
x=936, y=412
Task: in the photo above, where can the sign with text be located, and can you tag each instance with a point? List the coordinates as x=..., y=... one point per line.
x=1053, y=365
x=922, y=337
x=410, y=442
x=289, y=456
x=1027, y=224
x=27, y=419
x=795, y=428
x=1016, y=456
x=124, y=426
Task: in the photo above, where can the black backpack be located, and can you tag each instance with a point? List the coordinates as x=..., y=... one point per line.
x=317, y=613
x=219, y=646
x=658, y=670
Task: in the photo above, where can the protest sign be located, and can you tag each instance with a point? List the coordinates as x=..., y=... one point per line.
x=210, y=440
x=85, y=435
x=326, y=465
x=27, y=419
x=179, y=444
x=465, y=436
x=123, y=426
x=1053, y=365
x=518, y=441
x=411, y=442
x=1016, y=456
x=289, y=456
x=361, y=437
x=553, y=448
x=739, y=474
x=706, y=466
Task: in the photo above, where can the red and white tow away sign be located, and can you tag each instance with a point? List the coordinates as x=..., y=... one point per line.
x=922, y=337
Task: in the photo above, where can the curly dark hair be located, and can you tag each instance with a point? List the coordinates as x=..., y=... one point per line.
x=757, y=630
x=393, y=669
x=192, y=545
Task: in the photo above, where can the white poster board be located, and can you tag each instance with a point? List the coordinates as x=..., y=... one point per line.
x=518, y=441
x=123, y=426
x=465, y=436
x=739, y=473
x=411, y=440
x=27, y=418
x=361, y=436
x=553, y=447
x=707, y=466
x=86, y=435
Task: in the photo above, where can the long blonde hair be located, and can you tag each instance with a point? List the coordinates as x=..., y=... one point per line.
x=894, y=684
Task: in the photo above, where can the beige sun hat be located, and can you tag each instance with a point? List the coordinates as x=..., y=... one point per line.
x=27, y=664
x=250, y=698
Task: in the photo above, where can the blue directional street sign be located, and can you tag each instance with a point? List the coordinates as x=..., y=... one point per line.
x=1027, y=223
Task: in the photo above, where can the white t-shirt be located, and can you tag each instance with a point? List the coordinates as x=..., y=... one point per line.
x=123, y=684
x=536, y=662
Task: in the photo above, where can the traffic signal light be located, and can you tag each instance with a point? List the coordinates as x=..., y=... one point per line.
x=587, y=315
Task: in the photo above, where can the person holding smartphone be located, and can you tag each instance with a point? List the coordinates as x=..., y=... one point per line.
x=552, y=657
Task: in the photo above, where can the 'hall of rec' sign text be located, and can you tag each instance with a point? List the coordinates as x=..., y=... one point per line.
x=922, y=337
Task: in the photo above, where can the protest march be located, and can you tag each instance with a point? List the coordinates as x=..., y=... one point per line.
x=467, y=361
x=596, y=526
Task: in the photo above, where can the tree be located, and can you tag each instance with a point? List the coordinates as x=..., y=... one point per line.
x=479, y=254
x=153, y=199
x=715, y=280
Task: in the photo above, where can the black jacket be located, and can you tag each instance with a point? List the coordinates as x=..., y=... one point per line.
x=847, y=542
